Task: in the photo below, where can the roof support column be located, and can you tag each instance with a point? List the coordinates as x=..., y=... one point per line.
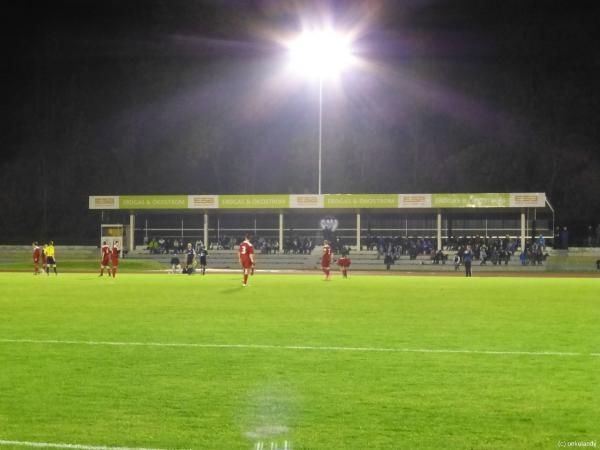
x=205, y=230
x=131, y=243
x=281, y=232
x=522, y=230
x=439, y=229
x=358, y=231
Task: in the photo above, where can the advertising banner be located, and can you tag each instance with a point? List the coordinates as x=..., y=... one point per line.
x=528, y=200
x=104, y=201
x=470, y=200
x=153, y=202
x=306, y=201
x=361, y=201
x=203, y=201
x=331, y=201
x=254, y=201
x=415, y=200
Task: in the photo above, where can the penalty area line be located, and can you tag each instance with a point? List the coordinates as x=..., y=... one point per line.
x=72, y=446
x=294, y=347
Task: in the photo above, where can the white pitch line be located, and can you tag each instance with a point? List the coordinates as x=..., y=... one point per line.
x=293, y=347
x=73, y=446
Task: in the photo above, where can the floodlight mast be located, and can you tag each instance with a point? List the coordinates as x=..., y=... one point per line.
x=323, y=54
x=320, y=128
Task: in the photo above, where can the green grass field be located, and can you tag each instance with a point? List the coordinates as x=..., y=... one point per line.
x=372, y=362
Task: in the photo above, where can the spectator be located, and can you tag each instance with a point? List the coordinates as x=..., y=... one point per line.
x=388, y=260
x=523, y=257
x=541, y=241
x=564, y=238
x=468, y=259
x=175, y=264
x=589, y=240
x=485, y=255
x=456, y=262
x=439, y=257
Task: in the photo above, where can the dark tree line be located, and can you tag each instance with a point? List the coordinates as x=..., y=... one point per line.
x=174, y=97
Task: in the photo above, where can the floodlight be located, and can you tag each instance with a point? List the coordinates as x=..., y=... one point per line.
x=320, y=54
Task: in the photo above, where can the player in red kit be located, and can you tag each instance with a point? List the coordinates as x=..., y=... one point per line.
x=344, y=263
x=326, y=259
x=105, y=253
x=246, y=256
x=37, y=254
x=44, y=260
x=114, y=258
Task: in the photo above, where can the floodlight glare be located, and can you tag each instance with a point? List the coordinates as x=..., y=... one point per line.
x=321, y=54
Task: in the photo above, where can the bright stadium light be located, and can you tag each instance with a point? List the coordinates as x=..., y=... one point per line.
x=321, y=54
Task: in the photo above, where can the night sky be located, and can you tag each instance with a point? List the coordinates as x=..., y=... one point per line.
x=190, y=97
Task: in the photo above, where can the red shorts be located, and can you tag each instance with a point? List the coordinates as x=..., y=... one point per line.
x=325, y=262
x=246, y=263
x=104, y=262
x=115, y=262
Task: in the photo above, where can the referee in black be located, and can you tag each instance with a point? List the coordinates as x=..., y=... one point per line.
x=190, y=257
x=203, y=254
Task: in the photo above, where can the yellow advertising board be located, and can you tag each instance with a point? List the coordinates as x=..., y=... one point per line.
x=490, y=200
x=254, y=201
x=314, y=201
x=361, y=201
x=153, y=202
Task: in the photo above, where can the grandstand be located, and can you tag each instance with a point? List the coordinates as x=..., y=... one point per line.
x=287, y=227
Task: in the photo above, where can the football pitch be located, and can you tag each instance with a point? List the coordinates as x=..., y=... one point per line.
x=291, y=361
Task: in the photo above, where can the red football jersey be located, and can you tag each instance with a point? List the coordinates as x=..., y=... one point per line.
x=344, y=262
x=326, y=258
x=246, y=249
x=105, y=253
x=115, y=254
x=36, y=253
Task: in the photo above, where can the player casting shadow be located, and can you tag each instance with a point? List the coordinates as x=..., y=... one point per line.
x=231, y=290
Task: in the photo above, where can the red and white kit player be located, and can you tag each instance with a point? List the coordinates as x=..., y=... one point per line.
x=114, y=258
x=344, y=263
x=105, y=254
x=246, y=256
x=326, y=259
x=37, y=254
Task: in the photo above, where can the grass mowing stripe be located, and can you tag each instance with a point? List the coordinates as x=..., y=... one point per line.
x=232, y=398
x=292, y=347
x=75, y=446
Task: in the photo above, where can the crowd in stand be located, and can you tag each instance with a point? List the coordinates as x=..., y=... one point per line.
x=298, y=246
x=396, y=246
x=223, y=243
x=495, y=251
x=162, y=245
x=295, y=246
x=267, y=246
x=167, y=246
x=498, y=251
